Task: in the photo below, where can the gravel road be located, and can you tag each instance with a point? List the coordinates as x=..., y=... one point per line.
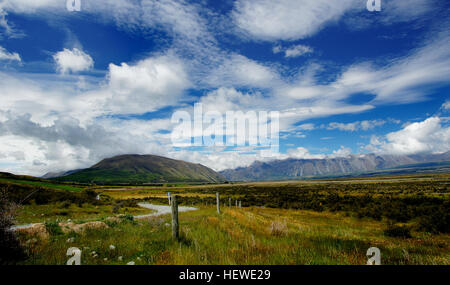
x=160, y=210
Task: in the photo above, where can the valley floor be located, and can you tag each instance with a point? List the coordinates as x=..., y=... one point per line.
x=242, y=236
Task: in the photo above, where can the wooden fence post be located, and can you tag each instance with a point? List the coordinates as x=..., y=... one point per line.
x=240, y=204
x=175, y=226
x=218, y=202
x=229, y=202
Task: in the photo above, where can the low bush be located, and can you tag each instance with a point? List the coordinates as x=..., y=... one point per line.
x=400, y=231
x=53, y=228
x=128, y=217
x=436, y=222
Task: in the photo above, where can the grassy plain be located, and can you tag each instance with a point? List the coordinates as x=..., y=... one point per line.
x=245, y=236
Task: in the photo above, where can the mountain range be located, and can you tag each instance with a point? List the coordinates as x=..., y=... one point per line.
x=302, y=168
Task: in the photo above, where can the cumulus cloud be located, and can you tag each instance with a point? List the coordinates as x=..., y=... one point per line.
x=8, y=56
x=429, y=136
x=302, y=153
x=342, y=152
x=147, y=85
x=74, y=60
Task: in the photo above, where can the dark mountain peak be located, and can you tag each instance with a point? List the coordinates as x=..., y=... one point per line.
x=134, y=168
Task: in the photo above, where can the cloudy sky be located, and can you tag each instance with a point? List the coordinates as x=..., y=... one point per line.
x=80, y=86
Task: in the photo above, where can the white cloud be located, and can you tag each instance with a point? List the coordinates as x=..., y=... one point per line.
x=401, y=11
x=446, y=105
x=302, y=153
x=74, y=60
x=306, y=127
x=25, y=6
x=237, y=70
x=288, y=19
x=297, y=19
x=293, y=51
x=429, y=136
x=356, y=126
x=230, y=99
x=8, y=56
x=298, y=50
x=177, y=16
x=217, y=160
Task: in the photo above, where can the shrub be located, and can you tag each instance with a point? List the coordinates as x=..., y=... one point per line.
x=90, y=193
x=116, y=208
x=128, y=217
x=394, y=230
x=65, y=204
x=436, y=222
x=10, y=249
x=26, y=194
x=53, y=228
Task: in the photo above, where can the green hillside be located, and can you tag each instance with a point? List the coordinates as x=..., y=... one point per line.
x=141, y=169
x=8, y=179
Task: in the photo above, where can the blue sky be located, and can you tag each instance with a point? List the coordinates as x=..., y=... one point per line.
x=80, y=86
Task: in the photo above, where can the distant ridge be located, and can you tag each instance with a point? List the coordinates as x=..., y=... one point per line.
x=141, y=169
x=59, y=174
x=300, y=168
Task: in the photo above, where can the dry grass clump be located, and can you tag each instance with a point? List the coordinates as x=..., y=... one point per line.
x=80, y=228
x=278, y=228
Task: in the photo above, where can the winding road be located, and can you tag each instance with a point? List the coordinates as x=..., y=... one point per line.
x=161, y=210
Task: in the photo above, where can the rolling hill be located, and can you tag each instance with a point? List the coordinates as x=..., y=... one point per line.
x=142, y=169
